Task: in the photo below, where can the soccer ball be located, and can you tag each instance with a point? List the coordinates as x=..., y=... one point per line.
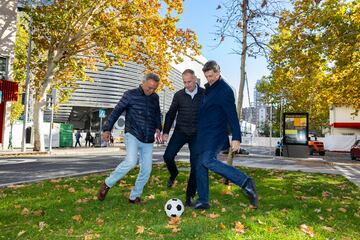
x=174, y=207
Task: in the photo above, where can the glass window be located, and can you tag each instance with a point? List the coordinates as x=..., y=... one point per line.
x=3, y=68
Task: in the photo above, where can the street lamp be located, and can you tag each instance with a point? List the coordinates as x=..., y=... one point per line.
x=27, y=83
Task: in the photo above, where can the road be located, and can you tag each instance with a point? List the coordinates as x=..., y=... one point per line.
x=15, y=170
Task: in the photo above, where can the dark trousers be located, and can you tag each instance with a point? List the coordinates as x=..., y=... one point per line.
x=208, y=161
x=177, y=141
x=77, y=142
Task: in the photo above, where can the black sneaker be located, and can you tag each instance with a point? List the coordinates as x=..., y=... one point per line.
x=170, y=183
x=189, y=202
x=201, y=206
x=250, y=191
x=135, y=201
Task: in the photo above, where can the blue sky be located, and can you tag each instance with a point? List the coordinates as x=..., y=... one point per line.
x=200, y=16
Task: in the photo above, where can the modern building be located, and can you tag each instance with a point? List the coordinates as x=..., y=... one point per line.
x=8, y=88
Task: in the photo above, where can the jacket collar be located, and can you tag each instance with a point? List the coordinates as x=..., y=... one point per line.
x=209, y=87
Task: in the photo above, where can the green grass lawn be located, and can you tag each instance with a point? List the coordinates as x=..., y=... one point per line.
x=67, y=209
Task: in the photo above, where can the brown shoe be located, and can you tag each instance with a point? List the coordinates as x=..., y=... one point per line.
x=102, y=192
x=135, y=201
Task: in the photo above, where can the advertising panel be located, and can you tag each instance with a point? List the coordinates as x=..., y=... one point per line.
x=296, y=128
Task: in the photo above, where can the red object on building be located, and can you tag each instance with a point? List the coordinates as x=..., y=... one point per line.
x=346, y=125
x=9, y=92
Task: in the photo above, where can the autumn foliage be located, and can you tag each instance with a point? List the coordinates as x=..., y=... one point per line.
x=315, y=58
x=71, y=36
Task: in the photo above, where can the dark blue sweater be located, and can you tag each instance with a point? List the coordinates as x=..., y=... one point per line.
x=217, y=112
x=142, y=114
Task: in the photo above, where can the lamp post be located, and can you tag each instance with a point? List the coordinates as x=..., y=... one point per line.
x=27, y=87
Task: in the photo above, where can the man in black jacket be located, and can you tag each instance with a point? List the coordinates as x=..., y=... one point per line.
x=142, y=121
x=185, y=104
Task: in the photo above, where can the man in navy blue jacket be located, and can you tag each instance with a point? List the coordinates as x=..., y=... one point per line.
x=217, y=111
x=142, y=121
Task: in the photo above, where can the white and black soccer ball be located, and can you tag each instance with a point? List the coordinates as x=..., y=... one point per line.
x=174, y=207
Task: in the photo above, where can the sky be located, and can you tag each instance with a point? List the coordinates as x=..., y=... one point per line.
x=200, y=16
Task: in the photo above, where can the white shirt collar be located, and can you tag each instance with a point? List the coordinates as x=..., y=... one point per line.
x=193, y=93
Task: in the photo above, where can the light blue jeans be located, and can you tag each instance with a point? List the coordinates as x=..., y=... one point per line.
x=133, y=147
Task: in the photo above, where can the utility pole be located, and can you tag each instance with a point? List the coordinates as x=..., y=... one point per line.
x=53, y=97
x=27, y=89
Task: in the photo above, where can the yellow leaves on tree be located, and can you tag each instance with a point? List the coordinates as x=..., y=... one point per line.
x=70, y=38
x=315, y=58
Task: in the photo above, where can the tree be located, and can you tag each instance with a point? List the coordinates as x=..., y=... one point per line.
x=250, y=24
x=315, y=58
x=71, y=36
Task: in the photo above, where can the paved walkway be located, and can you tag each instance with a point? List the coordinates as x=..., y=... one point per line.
x=332, y=163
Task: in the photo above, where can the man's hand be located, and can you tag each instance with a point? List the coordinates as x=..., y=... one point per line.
x=165, y=137
x=106, y=136
x=158, y=137
x=235, y=145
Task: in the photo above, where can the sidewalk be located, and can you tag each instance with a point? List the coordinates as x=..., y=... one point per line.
x=65, y=151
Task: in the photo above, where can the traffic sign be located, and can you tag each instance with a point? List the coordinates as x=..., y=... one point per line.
x=101, y=113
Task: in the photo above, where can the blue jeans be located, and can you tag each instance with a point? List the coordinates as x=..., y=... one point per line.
x=177, y=141
x=133, y=147
x=207, y=161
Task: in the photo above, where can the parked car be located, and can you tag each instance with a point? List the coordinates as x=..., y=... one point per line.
x=315, y=146
x=355, y=150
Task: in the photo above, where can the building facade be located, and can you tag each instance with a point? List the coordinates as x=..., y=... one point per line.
x=8, y=89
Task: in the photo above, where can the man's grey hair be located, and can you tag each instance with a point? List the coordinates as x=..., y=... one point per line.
x=151, y=76
x=211, y=65
x=188, y=71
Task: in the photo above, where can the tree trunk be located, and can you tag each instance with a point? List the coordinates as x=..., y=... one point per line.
x=40, y=100
x=243, y=59
x=230, y=157
x=39, y=143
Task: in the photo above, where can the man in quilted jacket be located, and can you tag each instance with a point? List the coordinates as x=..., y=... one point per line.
x=142, y=122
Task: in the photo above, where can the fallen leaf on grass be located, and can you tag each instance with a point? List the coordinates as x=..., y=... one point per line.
x=194, y=215
x=152, y=196
x=260, y=222
x=140, y=230
x=307, y=230
x=326, y=194
x=329, y=229
x=25, y=212
x=71, y=190
x=174, y=220
x=213, y=215
x=17, y=206
x=21, y=233
x=55, y=180
x=343, y=210
x=99, y=221
x=223, y=210
x=239, y=228
x=70, y=231
x=42, y=225
x=82, y=200
x=77, y=218
x=222, y=226
x=227, y=191
x=38, y=213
